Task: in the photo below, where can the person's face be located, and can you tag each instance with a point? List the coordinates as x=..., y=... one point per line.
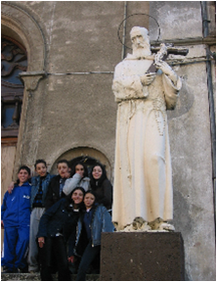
x=63, y=170
x=97, y=172
x=89, y=200
x=41, y=169
x=77, y=196
x=23, y=176
x=79, y=169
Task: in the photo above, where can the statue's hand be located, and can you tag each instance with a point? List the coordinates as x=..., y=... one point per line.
x=166, y=69
x=147, y=79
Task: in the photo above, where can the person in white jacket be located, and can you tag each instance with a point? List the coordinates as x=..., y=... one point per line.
x=79, y=178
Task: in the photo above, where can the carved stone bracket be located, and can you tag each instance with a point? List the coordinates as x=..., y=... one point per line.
x=31, y=79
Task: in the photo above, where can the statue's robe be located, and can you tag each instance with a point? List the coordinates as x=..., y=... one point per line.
x=143, y=175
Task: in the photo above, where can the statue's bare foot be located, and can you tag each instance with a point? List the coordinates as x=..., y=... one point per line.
x=128, y=228
x=160, y=225
x=166, y=226
x=144, y=227
x=139, y=224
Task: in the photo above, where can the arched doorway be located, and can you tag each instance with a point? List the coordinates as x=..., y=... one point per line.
x=88, y=155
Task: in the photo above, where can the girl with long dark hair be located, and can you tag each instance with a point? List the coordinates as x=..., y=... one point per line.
x=101, y=186
x=55, y=227
x=95, y=220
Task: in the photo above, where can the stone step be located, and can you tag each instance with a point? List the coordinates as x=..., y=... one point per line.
x=36, y=277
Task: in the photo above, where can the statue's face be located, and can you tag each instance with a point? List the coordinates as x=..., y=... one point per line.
x=140, y=40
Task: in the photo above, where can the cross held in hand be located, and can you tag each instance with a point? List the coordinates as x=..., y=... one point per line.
x=163, y=52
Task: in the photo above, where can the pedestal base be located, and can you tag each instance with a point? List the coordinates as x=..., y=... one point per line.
x=142, y=256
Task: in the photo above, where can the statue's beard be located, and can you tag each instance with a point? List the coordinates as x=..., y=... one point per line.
x=141, y=51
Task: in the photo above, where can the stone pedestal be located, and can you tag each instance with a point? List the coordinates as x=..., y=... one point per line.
x=142, y=256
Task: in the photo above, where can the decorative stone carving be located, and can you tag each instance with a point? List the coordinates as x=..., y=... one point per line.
x=31, y=80
x=143, y=193
x=20, y=25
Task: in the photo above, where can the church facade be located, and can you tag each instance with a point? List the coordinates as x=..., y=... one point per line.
x=58, y=60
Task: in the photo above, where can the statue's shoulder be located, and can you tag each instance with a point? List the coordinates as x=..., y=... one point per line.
x=122, y=64
x=119, y=67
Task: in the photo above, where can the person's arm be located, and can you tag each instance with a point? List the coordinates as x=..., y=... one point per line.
x=3, y=208
x=71, y=183
x=107, y=225
x=71, y=244
x=107, y=192
x=11, y=187
x=49, y=196
x=46, y=217
x=74, y=238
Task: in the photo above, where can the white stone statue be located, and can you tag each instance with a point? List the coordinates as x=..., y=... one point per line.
x=143, y=193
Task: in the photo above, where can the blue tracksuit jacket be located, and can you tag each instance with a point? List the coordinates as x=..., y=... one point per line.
x=15, y=209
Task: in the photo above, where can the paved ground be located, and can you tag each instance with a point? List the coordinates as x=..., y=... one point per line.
x=36, y=277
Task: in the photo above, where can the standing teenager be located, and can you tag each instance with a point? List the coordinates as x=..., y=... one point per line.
x=38, y=194
x=52, y=238
x=15, y=219
x=95, y=220
x=101, y=186
x=55, y=188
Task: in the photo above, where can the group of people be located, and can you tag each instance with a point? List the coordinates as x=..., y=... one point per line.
x=54, y=222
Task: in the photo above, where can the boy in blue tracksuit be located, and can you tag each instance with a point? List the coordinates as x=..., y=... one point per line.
x=15, y=219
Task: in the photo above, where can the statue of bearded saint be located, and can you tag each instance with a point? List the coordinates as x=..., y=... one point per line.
x=143, y=193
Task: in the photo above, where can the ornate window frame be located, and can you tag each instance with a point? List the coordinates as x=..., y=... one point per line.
x=21, y=25
x=12, y=93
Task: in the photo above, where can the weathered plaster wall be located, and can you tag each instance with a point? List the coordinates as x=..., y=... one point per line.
x=68, y=110
x=189, y=129
x=75, y=109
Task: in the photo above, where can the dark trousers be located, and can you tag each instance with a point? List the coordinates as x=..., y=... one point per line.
x=90, y=253
x=54, y=249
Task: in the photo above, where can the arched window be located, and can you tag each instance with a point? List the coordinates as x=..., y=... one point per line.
x=13, y=61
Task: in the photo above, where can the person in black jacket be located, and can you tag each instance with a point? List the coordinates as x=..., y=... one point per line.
x=55, y=188
x=56, y=226
x=101, y=186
